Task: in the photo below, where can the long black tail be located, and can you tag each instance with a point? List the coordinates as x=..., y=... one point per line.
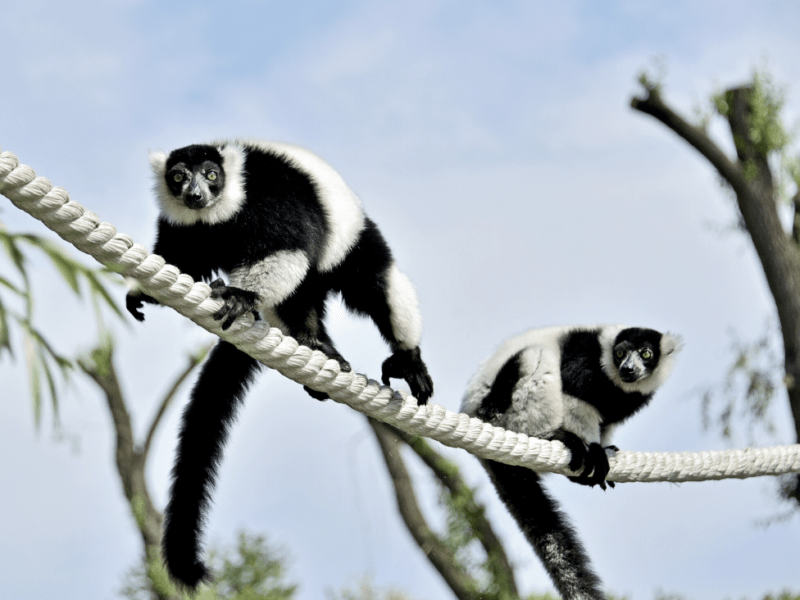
x=216, y=396
x=547, y=529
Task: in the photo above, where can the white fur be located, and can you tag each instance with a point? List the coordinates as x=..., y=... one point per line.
x=480, y=384
x=538, y=406
x=343, y=210
x=582, y=419
x=226, y=205
x=233, y=157
x=403, y=308
x=274, y=278
x=535, y=406
x=670, y=344
x=540, y=382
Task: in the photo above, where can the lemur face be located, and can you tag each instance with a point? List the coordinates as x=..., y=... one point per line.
x=636, y=353
x=196, y=186
x=195, y=177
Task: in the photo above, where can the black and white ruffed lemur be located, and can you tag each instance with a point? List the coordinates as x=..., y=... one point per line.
x=287, y=231
x=575, y=385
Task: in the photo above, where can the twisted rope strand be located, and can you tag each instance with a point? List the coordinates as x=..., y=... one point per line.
x=83, y=229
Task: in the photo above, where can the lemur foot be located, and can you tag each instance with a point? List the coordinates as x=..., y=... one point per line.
x=344, y=367
x=408, y=365
x=237, y=302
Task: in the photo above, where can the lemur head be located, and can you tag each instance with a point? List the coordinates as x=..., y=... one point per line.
x=202, y=182
x=638, y=359
x=194, y=176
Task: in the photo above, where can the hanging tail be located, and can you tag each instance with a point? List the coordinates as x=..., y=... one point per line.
x=217, y=394
x=547, y=530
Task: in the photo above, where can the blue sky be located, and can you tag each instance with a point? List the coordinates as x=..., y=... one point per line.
x=494, y=145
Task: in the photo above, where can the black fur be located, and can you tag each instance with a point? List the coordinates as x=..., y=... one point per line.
x=194, y=155
x=582, y=377
x=217, y=395
x=547, y=530
x=498, y=400
x=281, y=211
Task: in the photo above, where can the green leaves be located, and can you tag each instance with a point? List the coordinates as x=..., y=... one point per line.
x=767, y=132
x=44, y=363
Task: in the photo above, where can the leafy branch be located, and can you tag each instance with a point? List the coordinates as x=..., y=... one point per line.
x=43, y=361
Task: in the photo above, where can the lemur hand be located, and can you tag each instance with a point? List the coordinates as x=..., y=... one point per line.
x=134, y=301
x=408, y=365
x=237, y=302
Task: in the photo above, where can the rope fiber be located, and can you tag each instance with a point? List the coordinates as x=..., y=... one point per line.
x=84, y=230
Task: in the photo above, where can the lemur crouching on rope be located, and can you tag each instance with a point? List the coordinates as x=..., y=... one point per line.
x=575, y=385
x=287, y=231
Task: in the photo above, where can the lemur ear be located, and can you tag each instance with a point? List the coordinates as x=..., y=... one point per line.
x=670, y=343
x=158, y=160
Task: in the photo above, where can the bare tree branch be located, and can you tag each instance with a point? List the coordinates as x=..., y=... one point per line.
x=131, y=463
x=463, y=585
x=194, y=360
x=796, y=219
x=752, y=181
x=130, y=460
x=652, y=104
x=450, y=477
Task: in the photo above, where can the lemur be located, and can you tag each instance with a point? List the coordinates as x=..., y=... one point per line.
x=287, y=231
x=575, y=385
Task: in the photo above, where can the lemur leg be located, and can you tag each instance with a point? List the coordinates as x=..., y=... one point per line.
x=372, y=285
x=303, y=318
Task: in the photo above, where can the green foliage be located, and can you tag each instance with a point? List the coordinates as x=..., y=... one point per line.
x=252, y=570
x=747, y=390
x=43, y=361
x=766, y=102
x=769, y=134
x=545, y=596
x=664, y=596
x=255, y=571
x=785, y=595
x=766, y=127
x=652, y=80
x=464, y=517
x=365, y=590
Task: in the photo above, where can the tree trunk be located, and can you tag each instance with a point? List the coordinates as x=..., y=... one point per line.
x=751, y=179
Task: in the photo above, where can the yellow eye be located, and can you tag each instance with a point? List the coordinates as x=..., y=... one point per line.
x=212, y=175
x=647, y=354
x=178, y=177
x=620, y=353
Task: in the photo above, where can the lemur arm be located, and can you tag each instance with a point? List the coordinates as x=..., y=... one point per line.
x=583, y=421
x=177, y=246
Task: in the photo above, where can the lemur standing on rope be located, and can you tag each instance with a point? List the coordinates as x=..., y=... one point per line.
x=288, y=231
x=575, y=385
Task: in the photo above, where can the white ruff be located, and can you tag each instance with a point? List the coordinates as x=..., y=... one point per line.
x=226, y=205
x=670, y=345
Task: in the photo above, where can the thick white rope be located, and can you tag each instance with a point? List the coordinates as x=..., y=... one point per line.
x=82, y=228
